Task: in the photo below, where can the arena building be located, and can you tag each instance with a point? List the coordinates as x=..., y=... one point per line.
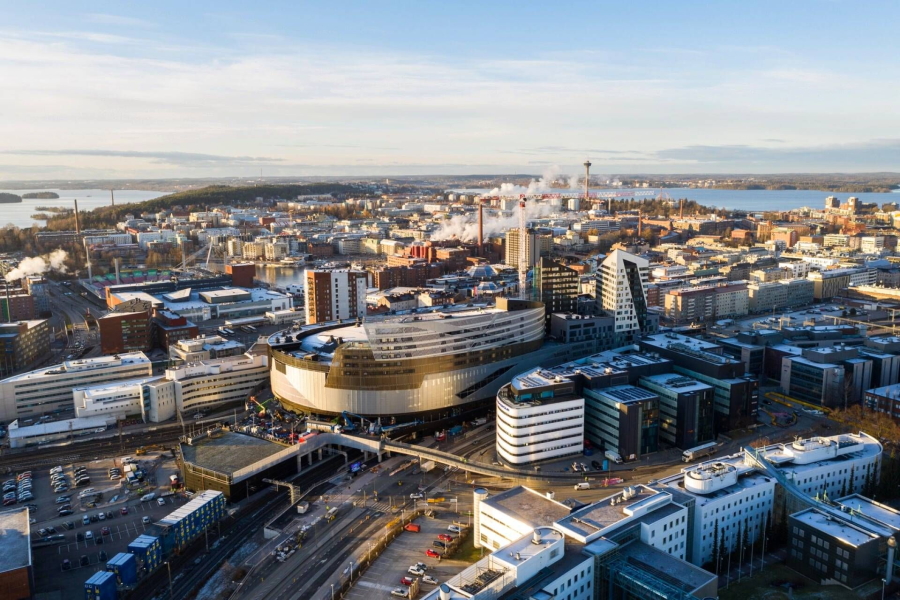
x=430, y=360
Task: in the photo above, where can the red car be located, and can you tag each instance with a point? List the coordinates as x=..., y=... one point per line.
x=432, y=554
x=445, y=537
x=104, y=531
x=406, y=581
x=124, y=510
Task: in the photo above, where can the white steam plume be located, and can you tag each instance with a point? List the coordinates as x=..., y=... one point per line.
x=465, y=227
x=537, y=186
x=36, y=265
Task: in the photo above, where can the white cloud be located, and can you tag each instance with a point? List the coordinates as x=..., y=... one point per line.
x=308, y=106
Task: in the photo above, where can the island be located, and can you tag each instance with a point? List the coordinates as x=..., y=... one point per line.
x=9, y=198
x=40, y=196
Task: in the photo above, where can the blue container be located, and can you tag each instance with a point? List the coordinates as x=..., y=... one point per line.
x=588, y=452
x=455, y=430
x=148, y=551
x=605, y=464
x=125, y=567
x=101, y=586
x=189, y=521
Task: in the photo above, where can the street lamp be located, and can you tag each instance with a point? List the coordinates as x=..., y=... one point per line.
x=169, y=568
x=351, y=571
x=332, y=591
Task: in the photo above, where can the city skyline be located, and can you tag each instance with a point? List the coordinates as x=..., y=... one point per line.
x=110, y=91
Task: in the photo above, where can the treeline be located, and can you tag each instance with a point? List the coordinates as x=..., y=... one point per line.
x=40, y=196
x=819, y=187
x=655, y=207
x=108, y=216
x=9, y=198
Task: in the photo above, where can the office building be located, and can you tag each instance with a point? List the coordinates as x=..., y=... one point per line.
x=622, y=294
x=833, y=376
x=136, y=398
x=500, y=519
x=728, y=499
x=49, y=390
x=685, y=410
x=334, y=295
x=843, y=541
x=242, y=274
x=125, y=332
x=23, y=343
x=707, y=302
x=170, y=328
x=39, y=289
x=214, y=382
x=556, y=286
x=539, y=417
x=736, y=393
x=16, y=569
x=624, y=419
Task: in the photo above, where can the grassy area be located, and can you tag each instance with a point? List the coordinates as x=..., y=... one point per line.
x=467, y=551
x=759, y=587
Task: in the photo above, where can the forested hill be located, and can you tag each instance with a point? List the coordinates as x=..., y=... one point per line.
x=108, y=216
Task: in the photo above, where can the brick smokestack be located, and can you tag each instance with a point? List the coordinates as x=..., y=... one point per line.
x=481, y=228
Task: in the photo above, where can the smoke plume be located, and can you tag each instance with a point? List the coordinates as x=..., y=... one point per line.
x=537, y=186
x=36, y=265
x=465, y=227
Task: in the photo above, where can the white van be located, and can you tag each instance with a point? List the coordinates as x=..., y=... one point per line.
x=584, y=485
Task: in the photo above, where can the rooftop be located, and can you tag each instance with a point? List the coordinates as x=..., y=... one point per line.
x=228, y=452
x=835, y=526
x=15, y=545
x=677, y=383
x=626, y=394
x=85, y=364
x=53, y=427
x=529, y=507
x=598, y=518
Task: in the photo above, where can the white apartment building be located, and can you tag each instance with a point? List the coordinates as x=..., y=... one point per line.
x=836, y=240
x=49, y=390
x=623, y=290
x=730, y=497
x=161, y=235
x=797, y=270
x=204, y=348
x=871, y=244
x=538, y=419
x=276, y=250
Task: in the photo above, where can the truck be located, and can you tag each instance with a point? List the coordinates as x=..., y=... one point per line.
x=302, y=507
x=699, y=452
x=427, y=466
x=613, y=456
x=455, y=430
x=479, y=421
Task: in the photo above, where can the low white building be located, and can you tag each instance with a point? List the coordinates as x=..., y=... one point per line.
x=204, y=348
x=21, y=436
x=118, y=401
x=49, y=390
x=502, y=518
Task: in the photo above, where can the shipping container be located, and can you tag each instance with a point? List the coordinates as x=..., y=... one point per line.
x=101, y=586
x=125, y=567
x=148, y=550
x=189, y=521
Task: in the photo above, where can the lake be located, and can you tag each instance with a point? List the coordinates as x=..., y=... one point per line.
x=750, y=200
x=19, y=214
x=275, y=275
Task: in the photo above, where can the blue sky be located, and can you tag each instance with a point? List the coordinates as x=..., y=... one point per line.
x=194, y=89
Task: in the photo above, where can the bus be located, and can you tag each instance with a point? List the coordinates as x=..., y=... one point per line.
x=331, y=515
x=699, y=452
x=248, y=329
x=223, y=332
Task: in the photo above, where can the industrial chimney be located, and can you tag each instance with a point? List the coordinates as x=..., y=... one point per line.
x=481, y=228
x=77, y=226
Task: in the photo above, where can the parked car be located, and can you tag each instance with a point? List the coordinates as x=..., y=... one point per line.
x=124, y=510
x=63, y=499
x=430, y=579
x=412, y=527
x=102, y=556
x=146, y=520
x=415, y=570
x=406, y=581
x=80, y=537
x=66, y=564
x=65, y=512
x=439, y=544
x=84, y=560
x=454, y=528
x=161, y=501
x=85, y=520
x=89, y=535
x=597, y=466
x=432, y=554
x=104, y=531
x=415, y=496
x=400, y=592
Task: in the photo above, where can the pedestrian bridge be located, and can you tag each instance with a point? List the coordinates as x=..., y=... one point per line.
x=381, y=446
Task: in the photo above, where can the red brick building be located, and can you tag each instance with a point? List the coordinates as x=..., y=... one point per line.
x=242, y=274
x=125, y=332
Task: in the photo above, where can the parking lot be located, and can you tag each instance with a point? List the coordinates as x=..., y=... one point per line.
x=50, y=574
x=408, y=549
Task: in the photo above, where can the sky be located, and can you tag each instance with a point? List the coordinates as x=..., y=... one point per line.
x=198, y=89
